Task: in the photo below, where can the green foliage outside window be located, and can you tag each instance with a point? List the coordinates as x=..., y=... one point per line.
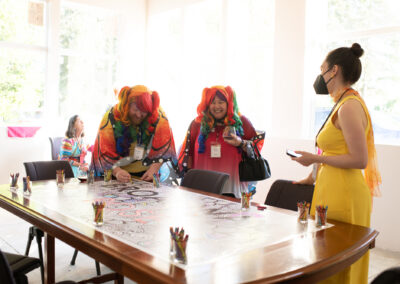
x=21, y=68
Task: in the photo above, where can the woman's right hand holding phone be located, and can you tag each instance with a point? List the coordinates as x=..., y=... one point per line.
x=306, y=158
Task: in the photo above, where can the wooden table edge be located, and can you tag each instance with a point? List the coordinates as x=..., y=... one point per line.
x=328, y=266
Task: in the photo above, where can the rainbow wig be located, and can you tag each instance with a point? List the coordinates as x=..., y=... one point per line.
x=146, y=100
x=207, y=121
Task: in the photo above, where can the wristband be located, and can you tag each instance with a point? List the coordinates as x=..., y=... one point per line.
x=241, y=144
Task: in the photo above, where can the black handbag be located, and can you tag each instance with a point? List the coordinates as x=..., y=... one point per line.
x=253, y=169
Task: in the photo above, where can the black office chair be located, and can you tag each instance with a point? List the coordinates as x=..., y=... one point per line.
x=55, y=143
x=389, y=276
x=285, y=194
x=45, y=170
x=5, y=270
x=14, y=267
x=208, y=181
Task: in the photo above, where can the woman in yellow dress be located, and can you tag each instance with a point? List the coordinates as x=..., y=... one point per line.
x=347, y=143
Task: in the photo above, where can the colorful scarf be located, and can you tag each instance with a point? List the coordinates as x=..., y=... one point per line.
x=371, y=172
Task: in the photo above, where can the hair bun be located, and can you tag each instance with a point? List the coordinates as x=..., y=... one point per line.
x=357, y=50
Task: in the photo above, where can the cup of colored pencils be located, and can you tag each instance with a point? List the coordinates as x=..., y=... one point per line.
x=179, y=240
x=245, y=200
x=302, y=209
x=60, y=178
x=14, y=181
x=107, y=176
x=320, y=213
x=90, y=179
x=27, y=185
x=172, y=242
x=98, y=208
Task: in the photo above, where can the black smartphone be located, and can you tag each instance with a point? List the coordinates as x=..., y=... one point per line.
x=292, y=153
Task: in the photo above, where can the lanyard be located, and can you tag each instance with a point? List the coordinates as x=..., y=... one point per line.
x=341, y=96
x=139, y=137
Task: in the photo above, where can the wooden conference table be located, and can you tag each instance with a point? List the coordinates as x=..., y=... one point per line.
x=226, y=245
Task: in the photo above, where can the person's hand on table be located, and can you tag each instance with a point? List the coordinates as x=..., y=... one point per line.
x=121, y=175
x=153, y=169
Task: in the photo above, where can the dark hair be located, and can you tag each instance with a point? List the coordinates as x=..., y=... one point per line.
x=70, y=133
x=348, y=58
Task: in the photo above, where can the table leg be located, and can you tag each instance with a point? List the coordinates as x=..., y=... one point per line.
x=49, y=259
x=120, y=279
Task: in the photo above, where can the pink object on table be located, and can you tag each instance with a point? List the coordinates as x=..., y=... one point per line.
x=22, y=131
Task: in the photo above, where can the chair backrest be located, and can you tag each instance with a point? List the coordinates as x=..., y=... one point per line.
x=389, y=276
x=43, y=170
x=208, y=181
x=55, y=143
x=285, y=194
x=6, y=275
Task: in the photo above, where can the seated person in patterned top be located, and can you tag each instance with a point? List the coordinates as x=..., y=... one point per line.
x=207, y=147
x=134, y=136
x=73, y=148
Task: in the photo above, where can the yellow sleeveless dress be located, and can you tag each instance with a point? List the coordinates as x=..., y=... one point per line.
x=344, y=191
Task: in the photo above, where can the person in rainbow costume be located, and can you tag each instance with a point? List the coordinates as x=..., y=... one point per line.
x=134, y=137
x=207, y=147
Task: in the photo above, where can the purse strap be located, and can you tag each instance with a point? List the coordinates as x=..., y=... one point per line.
x=255, y=151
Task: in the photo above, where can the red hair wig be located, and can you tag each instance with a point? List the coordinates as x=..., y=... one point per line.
x=207, y=98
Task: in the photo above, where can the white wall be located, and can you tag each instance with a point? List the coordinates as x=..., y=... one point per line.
x=289, y=43
x=15, y=151
x=386, y=208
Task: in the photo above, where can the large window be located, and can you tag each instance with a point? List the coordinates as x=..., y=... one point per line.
x=199, y=44
x=23, y=55
x=376, y=26
x=84, y=42
x=88, y=62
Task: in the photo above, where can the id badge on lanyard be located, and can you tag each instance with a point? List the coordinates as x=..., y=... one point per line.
x=215, y=150
x=139, y=148
x=139, y=152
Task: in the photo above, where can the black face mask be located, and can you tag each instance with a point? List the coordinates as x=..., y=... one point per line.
x=320, y=86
